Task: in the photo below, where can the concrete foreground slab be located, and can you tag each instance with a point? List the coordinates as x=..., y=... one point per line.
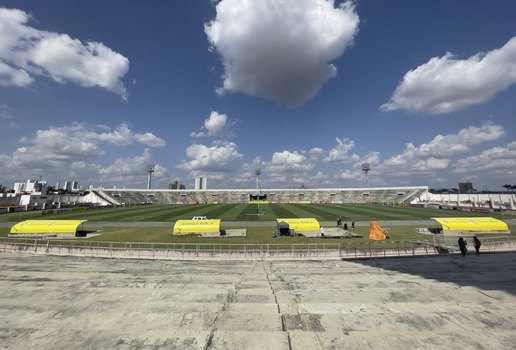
x=436, y=302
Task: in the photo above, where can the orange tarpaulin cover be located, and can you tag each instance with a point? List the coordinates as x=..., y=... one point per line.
x=377, y=233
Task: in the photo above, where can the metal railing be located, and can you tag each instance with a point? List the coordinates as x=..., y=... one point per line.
x=489, y=244
x=192, y=251
x=180, y=251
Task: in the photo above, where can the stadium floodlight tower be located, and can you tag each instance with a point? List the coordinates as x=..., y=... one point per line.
x=366, y=167
x=150, y=170
x=258, y=172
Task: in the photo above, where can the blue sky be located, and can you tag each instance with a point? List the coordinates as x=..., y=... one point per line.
x=307, y=90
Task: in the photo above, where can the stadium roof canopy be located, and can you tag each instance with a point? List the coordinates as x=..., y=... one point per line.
x=187, y=227
x=472, y=225
x=302, y=225
x=44, y=227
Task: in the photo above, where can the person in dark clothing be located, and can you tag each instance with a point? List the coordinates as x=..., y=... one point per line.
x=353, y=223
x=345, y=226
x=462, y=246
x=476, y=244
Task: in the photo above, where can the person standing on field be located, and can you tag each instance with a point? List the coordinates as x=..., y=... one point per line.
x=462, y=246
x=477, y=244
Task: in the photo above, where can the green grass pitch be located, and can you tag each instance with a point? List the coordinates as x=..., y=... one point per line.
x=246, y=213
x=249, y=212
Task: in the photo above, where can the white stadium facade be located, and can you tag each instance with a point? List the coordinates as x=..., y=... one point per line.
x=414, y=195
x=406, y=195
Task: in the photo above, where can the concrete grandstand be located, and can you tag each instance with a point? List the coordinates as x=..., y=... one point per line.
x=395, y=195
x=413, y=195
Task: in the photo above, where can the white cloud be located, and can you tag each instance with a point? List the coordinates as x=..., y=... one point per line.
x=247, y=172
x=446, y=84
x=499, y=159
x=214, y=126
x=131, y=170
x=54, y=147
x=462, y=141
x=26, y=52
x=316, y=153
x=121, y=136
x=288, y=162
x=430, y=164
x=320, y=176
x=345, y=174
x=149, y=139
x=447, y=145
x=10, y=76
x=320, y=179
x=279, y=49
x=216, y=158
x=340, y=153
x=372, y=158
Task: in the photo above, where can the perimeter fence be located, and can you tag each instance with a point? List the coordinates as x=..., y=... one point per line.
x=221, y=251
x=489, y=244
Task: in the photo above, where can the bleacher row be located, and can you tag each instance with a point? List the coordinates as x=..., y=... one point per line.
x=359, y=195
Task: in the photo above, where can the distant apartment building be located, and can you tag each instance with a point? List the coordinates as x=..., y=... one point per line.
x=201, y=183
x=71, y=186
x=466, y=187
x=31, y=186
x=176, y=185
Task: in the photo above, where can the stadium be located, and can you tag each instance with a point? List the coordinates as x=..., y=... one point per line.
x=109, y=257
x=99, y=100
x=396, y=195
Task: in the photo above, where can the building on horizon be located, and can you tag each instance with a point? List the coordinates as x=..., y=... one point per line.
x=71, y=186
x=466, y=187
x=31, y=186
x=176, y=185
x=201, y=183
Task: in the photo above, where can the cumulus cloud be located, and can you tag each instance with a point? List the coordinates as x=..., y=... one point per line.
x=288, y=162
x=131, y=170
x=283, y=168
x=280, y=50
x=149, y=139
x=26, y=52
x=215, y=126
x=77, y=142
x=496, y=159
x=446, y=84
x=316, y=153
x=340, y=153
x=247, y=171
x=10, y=76
x=442, y=146
x=345, y=174
x=372, y=158
x=433, y=161
x=216, y=158
x=320, y=176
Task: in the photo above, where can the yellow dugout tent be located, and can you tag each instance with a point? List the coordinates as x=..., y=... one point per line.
x=472, y=225
x=302, y=225
x=46, y=227
x=188, y=227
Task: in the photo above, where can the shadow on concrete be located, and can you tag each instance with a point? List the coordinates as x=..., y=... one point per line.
x=489, y=271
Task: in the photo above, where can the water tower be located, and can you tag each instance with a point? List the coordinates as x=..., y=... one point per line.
x=150, y=170
x=366, y=168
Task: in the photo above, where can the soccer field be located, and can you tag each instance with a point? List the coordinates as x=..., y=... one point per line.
x=251, y=212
